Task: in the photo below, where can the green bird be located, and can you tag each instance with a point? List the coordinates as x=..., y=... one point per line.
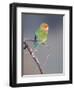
x=41, y=35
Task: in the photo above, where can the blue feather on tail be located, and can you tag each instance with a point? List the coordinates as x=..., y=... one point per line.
x=36, y=44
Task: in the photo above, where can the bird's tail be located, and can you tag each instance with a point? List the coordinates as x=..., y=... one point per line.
x=35, y=42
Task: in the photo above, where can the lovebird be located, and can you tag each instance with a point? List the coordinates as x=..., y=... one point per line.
x=41, y=35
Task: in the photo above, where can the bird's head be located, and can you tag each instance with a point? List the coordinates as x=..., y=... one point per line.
x=44, y=26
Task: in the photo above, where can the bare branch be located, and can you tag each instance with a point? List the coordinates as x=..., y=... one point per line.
x=33, y=56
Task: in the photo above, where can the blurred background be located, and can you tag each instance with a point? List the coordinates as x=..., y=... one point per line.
x=50, y=55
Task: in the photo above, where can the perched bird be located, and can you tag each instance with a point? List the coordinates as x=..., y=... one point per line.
x=41, y=35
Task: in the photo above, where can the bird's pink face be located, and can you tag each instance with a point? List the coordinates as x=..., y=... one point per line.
x=45, y=27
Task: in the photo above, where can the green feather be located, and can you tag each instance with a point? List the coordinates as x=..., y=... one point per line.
x=41, y=36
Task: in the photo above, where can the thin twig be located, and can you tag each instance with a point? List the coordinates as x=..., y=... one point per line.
x=33, y=56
